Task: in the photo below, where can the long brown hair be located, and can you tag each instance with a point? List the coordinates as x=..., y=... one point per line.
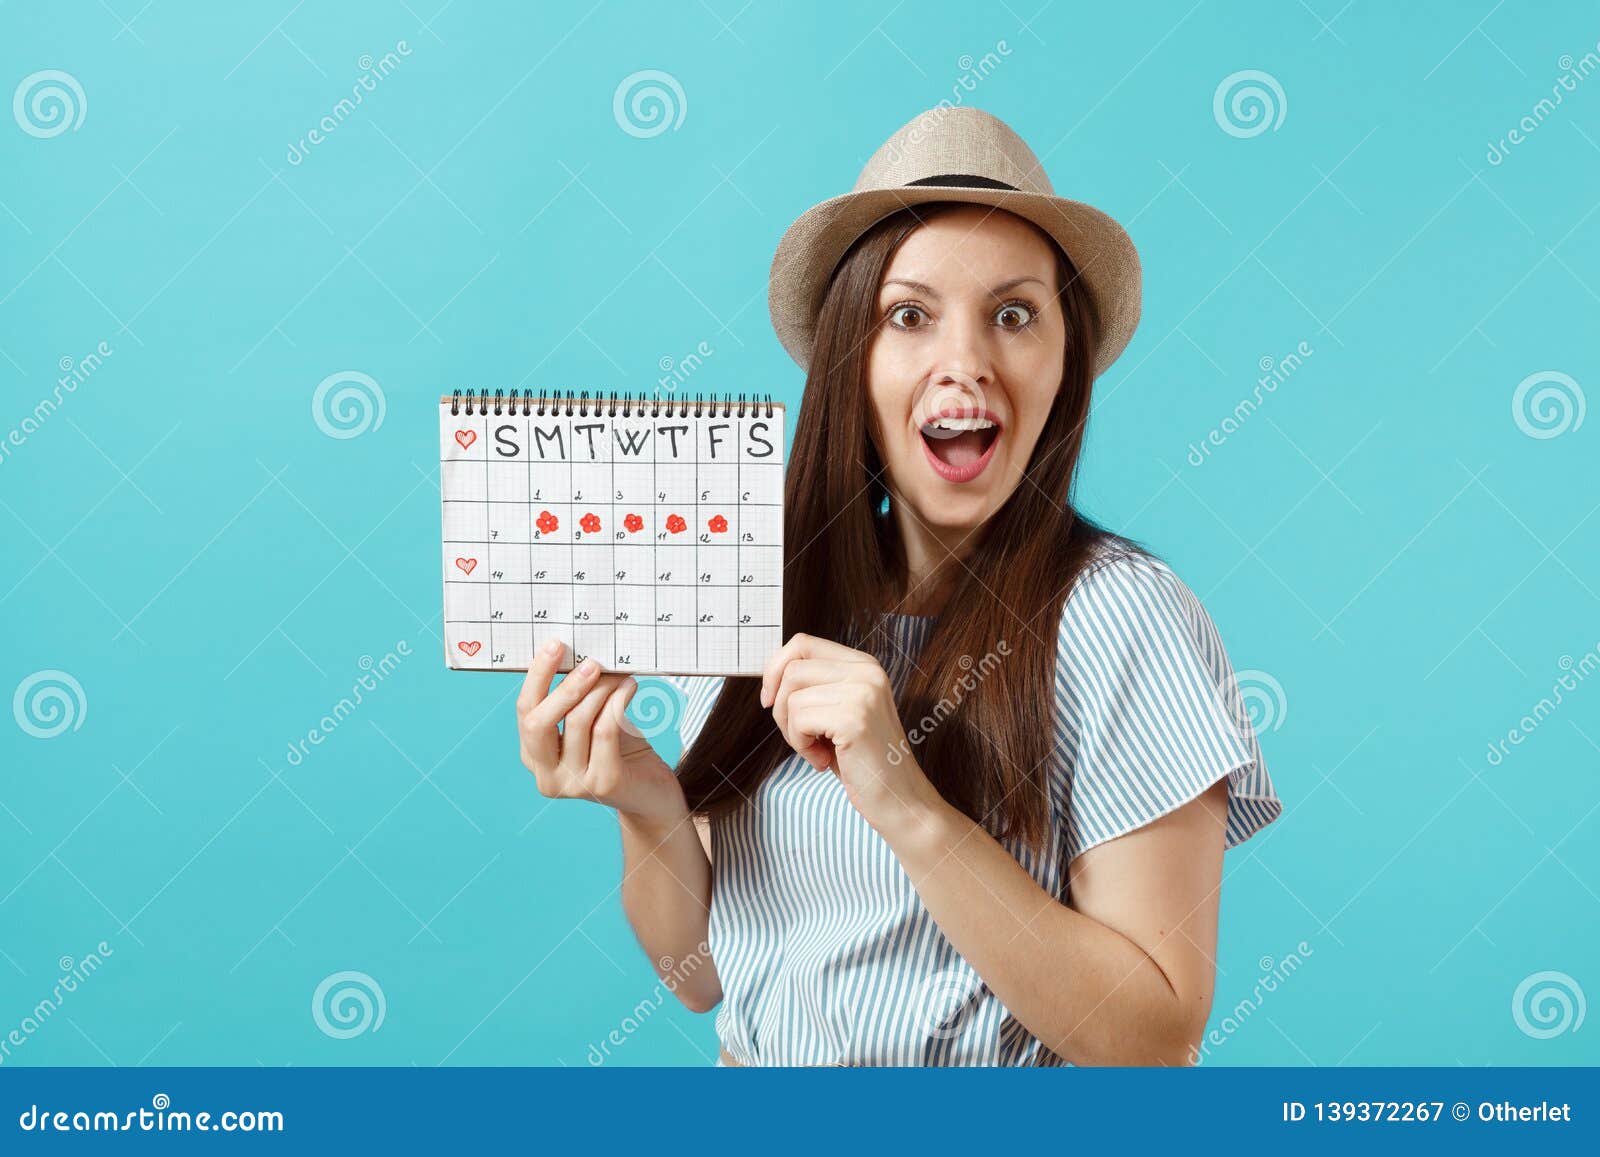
x=987, y=753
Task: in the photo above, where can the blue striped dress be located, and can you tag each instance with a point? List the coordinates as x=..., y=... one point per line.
x=825, y=951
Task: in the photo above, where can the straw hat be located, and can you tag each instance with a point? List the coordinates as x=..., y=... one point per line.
x=953, y=154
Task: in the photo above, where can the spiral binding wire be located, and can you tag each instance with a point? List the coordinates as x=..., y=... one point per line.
x=632, y=405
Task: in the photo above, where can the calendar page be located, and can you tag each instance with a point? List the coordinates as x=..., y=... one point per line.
x=645, y=533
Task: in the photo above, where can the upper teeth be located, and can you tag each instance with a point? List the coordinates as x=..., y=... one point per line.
x=960, y=424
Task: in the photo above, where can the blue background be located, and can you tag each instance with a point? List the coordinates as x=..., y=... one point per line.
x=1381, y=539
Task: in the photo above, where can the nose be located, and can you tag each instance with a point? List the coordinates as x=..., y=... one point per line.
x=961, y=358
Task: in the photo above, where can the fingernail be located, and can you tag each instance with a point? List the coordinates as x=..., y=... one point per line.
x=552, y=646
x=588, y=667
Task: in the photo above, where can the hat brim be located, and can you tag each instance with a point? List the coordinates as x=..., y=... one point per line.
x=1107, y=262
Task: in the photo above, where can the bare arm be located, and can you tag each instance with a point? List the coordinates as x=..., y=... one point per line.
x=1124, y=974
x=666, y=894
x=596, y=755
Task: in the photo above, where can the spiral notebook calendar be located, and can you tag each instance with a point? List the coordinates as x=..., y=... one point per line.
x=645, y=532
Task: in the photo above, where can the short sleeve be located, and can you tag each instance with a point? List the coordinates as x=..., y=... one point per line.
x=699, y=695
x=1149, y=713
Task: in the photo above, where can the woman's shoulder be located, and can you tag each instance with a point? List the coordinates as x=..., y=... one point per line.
x=1150, y=710
x=1129, y=615
x=1123, y=586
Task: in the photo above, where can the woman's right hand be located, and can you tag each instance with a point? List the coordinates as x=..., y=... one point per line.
x=597, y=755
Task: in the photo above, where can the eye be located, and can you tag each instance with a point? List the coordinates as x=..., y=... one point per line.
x=1014, y=315
x=907, y=316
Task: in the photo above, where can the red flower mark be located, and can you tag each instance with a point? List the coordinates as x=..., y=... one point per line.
x=676, y=524
x=718, y=524
x=633, y=524
x=590, y=523
x=547, y=522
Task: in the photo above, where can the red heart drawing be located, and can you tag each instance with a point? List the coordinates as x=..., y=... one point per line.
x=466, y=564
x=470, y=648
x=466, y=437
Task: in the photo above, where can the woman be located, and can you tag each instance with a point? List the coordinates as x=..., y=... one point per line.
x=974, y=811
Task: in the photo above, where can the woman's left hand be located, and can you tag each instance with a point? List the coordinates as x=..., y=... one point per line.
x=836, y=708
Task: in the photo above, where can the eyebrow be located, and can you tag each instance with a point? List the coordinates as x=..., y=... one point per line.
x=929, y=291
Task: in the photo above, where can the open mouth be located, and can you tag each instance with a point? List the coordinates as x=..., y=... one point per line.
x=958, y=445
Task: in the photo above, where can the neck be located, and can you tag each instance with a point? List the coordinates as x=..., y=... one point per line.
x=933, y=554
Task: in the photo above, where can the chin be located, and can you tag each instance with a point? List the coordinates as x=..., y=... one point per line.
x=946, y=512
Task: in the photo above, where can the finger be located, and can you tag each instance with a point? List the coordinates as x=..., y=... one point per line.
x=541, y=756
x=552, y=780
x=539, y=725
x=802, y=646
x=543, y=668
x=772, y=670
x=802, y=673
x=605, y=749
x=811, y=712
x=805, y=743
x=578, y=736
x=565, y=695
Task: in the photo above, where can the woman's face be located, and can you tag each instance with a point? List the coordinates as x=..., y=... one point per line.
x=965, y=362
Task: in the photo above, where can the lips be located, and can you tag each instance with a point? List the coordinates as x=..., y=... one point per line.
x=959, y=443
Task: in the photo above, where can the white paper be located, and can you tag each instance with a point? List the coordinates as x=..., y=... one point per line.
x=652, y=543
